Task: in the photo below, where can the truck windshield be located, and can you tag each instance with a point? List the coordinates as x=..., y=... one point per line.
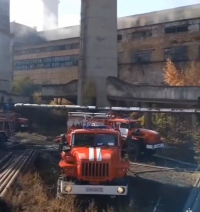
x=95, y=140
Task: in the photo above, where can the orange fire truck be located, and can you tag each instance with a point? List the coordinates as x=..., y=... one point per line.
x=10, y=123
x=136, y=139
x=91, y=162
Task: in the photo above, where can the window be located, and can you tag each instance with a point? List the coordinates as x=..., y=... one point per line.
x=83, y=140
x=106, y=140
x=91, y=139
x=119, y=37
x=47, y=49
x=176, y=29
x=48, y=62
x=141, y=57
x=75, y=46
x=176, y=53
x=141, y=34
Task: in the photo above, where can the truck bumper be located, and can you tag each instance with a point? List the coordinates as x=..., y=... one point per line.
x=155, y=146
x=70, y=188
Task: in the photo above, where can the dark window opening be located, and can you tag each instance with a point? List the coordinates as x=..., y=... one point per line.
x=143, y=34
x=177, y=53
x=176, y=29
x=119, y=37
x=141, y=57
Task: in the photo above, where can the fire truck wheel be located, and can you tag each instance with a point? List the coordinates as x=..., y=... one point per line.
x=133, y=150
x=3, y=139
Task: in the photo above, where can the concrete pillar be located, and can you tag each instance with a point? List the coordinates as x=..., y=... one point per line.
x=147, y=117
x=98, y=48
x=5, y=53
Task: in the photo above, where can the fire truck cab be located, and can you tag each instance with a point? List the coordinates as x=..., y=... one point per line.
x=91, y=163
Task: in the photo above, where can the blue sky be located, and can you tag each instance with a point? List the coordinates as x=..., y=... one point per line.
x=29, y=12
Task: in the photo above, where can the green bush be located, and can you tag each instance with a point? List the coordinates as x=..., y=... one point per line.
x=174, y=128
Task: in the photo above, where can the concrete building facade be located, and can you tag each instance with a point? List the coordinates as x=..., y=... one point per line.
x=144, y=43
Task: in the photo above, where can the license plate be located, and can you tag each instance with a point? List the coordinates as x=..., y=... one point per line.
x=97, y=190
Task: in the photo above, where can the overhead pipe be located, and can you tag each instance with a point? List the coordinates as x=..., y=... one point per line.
x=119, y=109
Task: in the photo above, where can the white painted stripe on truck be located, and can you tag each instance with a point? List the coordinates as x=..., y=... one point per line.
x=98, y=154
x=91, y=154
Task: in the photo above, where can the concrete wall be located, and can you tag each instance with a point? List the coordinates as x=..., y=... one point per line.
x=55, y=75
x=99, y=43
x=118, y=89
x=5, y=57
x=59, y=91
x=154, y=39
x=6, y=97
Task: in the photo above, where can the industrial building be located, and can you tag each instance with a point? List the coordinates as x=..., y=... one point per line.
x=144, y=43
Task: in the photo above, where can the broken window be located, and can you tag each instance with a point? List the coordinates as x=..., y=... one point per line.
x=177, y=53
x=49, y=62
x=141, y=34
x=47, y=49
x=141, y=57
x=119, y=37
x=176, y=29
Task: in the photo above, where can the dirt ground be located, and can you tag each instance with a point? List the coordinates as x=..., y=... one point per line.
x=158, y=191
x=36, y=192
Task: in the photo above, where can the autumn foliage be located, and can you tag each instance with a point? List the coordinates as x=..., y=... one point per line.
x=189, y=76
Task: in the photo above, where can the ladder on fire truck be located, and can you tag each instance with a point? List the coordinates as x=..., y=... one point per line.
x=10, y=118
x=11, y=124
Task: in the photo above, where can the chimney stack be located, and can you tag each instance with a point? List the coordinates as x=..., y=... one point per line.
x=50, y=14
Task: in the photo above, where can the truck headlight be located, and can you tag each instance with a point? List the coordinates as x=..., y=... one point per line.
x=120, y=190
x=68, y=188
